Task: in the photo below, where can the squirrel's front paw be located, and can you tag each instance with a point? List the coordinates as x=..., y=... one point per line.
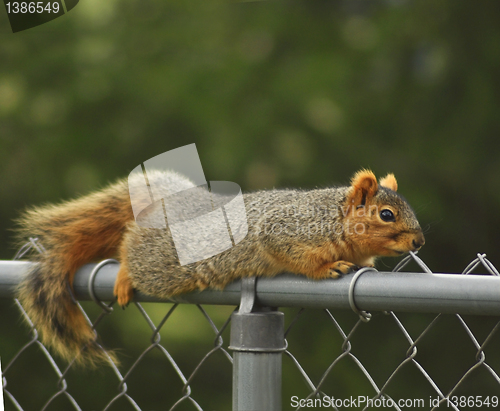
x=340, y=268
x=335, y=270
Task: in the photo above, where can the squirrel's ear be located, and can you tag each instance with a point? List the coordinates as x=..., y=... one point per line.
x=364, y=187
x=389, y=181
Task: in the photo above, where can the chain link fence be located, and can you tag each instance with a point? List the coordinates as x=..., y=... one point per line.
x=327, y=357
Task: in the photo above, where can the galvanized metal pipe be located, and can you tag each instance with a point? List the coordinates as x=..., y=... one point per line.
x=374, y=291
x=257, y=342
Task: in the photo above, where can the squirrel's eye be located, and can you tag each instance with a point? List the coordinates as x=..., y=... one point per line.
x=387, y=216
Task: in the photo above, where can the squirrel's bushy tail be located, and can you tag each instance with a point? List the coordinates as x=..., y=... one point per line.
x=72, y=234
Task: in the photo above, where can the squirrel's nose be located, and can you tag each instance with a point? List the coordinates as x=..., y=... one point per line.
x=418, y=241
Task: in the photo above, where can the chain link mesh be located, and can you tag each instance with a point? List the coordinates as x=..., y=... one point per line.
x=352, y=342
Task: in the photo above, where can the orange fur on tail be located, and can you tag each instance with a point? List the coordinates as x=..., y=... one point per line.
x=72, y=233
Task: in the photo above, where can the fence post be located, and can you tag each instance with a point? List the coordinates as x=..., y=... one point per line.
x=257, y=340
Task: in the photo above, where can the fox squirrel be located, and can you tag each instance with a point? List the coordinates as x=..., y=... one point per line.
x=321, y=233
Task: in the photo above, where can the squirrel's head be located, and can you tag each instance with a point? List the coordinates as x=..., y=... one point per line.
x=381, y=221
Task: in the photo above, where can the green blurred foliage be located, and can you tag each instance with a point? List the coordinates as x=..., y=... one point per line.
x=274, y=94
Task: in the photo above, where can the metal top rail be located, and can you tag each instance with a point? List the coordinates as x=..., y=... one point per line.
x=371, y=291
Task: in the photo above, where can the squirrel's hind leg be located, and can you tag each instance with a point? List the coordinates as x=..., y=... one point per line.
x=123, y=290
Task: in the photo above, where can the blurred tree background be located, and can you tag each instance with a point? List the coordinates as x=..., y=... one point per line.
x=274, y=94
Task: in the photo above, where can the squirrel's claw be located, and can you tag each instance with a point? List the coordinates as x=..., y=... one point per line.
x=334, y=270
x=343, y=267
